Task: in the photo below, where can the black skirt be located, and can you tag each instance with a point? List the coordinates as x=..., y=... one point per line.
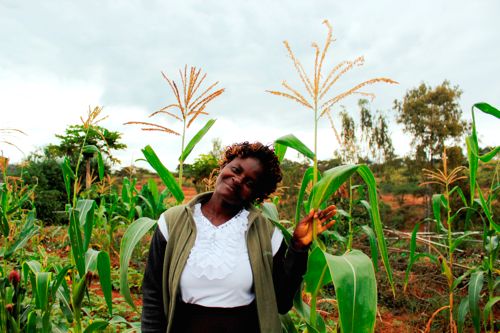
x=192, y=318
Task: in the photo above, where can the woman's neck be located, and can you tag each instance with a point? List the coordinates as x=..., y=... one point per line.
x=218, y=211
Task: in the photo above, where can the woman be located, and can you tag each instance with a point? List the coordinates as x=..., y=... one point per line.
x=213, y=264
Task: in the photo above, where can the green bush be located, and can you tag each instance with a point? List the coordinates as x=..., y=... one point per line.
x=50, y=194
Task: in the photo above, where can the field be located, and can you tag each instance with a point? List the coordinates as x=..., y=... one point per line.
x=414, y=248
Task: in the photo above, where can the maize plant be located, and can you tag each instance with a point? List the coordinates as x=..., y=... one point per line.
x=357, y=306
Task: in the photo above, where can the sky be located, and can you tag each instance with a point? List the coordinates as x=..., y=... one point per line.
x=58, y=58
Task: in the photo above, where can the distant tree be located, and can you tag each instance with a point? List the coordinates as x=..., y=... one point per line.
x=367, y=140
x=76, y=135
x=204, y=165
x=432, y=116
x=43, y=170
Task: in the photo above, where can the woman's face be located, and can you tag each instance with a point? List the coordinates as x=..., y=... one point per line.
x=238, y=181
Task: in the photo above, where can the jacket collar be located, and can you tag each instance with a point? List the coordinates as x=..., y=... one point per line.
x=254, y=212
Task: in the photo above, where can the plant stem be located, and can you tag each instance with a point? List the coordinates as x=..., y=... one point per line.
x=181, y=162
x=450, y=253
x=315, y=166
x=349, y=219
x=80, y=155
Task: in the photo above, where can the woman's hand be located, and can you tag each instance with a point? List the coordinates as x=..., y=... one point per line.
x=303, y=233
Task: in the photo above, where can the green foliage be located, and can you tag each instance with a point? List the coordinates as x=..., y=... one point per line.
x=132, y=236
x=431, y=116
x=44, y=171
x=101, y=138
x=202, y=168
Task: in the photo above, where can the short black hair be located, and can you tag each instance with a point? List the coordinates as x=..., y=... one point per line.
x=271, y=171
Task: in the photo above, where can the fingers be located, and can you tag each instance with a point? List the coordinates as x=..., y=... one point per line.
x=327, y=213
x=327, y=226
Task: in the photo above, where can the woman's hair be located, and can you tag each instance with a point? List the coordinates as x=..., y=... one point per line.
x=271, y=172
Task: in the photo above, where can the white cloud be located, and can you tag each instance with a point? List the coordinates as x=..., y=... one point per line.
x=60, y=57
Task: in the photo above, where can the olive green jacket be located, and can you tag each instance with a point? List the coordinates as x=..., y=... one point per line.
x=182, y=235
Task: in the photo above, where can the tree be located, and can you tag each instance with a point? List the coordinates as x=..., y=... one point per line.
x=369, y=139
x=432, y=116
x=77, y=135
x=43, y=171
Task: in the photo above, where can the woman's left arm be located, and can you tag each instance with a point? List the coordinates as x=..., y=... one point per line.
x=289, y=265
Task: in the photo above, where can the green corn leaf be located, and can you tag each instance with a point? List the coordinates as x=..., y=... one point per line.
x=369, y=179
x=28, y=231
x=78, y=292
x=484, y=205
x=63, y=295
x=32, y=320
x=489, y=155
x=287, y=324
x=414, y=257
x=487, y=108
x=491, y=244
x=312, y=329
x=3, y=211
x=330, y=182
x=355, y=289
x=459, y=280
x=280, y=151
x=457, y=241
x=126, y=197
x=153, y=188
x=472, y=156
x=132, y=236
x=475, y=286
x=373, y=245
x=164, y=174
x=438, y=200
x=460, y=194
x=411, y=260
x=355, y=286
x=317, y=274
x=367, y=206
x=270, y=211
x=68, y=175
x=84, y=206
x=61, y=274
x=42, y=291
x=306, y=179
x=86, y=209
x=97, y=325
x=463, y=310
x=488, y=307
x=100, y=162
x=303, y=309
x=65, y=302
x=19, y=202
x=75, y=237
x=30, y=268
x=446, y=270
x=91, y=260
x=104, y=269
x=293, y=142
x=194, y=141
x=335, y=235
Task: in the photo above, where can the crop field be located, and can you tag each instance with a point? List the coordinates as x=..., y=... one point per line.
x=414, y=249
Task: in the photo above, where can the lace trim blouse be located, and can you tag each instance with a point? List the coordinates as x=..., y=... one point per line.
x=218, y=271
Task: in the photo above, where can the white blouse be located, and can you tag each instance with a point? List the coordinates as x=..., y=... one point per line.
x=218, y=271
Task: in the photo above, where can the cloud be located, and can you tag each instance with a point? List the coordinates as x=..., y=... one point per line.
x=60, y=57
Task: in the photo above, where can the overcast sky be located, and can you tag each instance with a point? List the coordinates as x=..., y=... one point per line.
x=57, y=58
